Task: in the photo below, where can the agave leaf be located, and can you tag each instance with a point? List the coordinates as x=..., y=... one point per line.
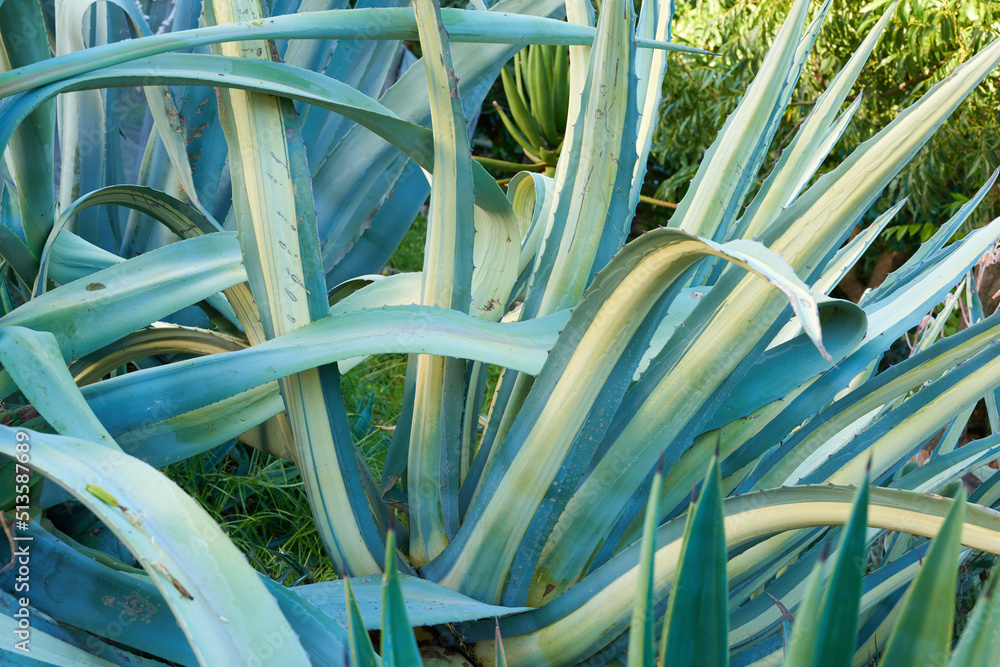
x=946, y=468
x=687, y=472
x=642, y=640
x=730, y=164
x=25, y=41
x=324, y=639
x=426, y=603
x=579, y=12
x=799, y=161
x=89, y=313
x=202, y=576
x=163, y=438
x=35, y=363
x=71, y=258
x=173, y=136
x=388, y=23
x=122, y=602
x=977, y=647
x=923, y=629
x=55, y=646
x=539, y=63
x=402, y=289
x=495, y=224
x=158, y=339
x=530, y=197
x=346, y=198
x=281, y=255
x=573, y=376
x=897, y=434
x=115, y=604
x=849, y=255
x=602, y=143
x=501, y=657
x=179, y=217
x=803, y=648
x=954, y=432
x=909, y=375
x=755, y=618
x=789, y=364
x=13, y=249
x=929, y=248
x=362, y=651
x=654, y=23
x=531, y=138
x=399, y=646
x=830, y=207
x=447, y=282
x=244, y=74
x=81, y=115
x=838, y=621
x=585, y=524
x=188, y=385
x=177, y=438
x=696, y=628
x=175, y=214
x=581, y=621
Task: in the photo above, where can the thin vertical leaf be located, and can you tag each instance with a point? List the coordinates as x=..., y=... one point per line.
x=399, y=646
x=24, y=41
x=362, y=651
x=277, y=231
x=697, y=621
x=642, y=640
x=435, y=436
x=923, y=632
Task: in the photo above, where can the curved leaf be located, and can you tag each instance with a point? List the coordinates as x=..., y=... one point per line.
x=202, y=576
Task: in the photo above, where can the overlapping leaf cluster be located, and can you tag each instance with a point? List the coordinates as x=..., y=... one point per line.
x=923, y=42
x=289, y=184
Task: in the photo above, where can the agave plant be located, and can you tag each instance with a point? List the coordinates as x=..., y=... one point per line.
x=538, y=94
x=714, y=334
x=695, y=627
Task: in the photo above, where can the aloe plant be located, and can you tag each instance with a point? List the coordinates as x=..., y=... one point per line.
x=713, y=335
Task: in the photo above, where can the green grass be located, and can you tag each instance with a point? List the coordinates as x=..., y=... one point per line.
x=260, y=502
x=259, y=499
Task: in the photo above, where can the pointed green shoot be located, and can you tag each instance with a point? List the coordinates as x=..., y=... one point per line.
x=824, y=631
x=362, y=651
x=980, y=641
x=696, y=628
x=399, y=646
x=838, y=624
x=923, y=632
x=642, y=640
x=801, y=648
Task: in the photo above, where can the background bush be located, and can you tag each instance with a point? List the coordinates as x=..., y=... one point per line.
x=924, y=40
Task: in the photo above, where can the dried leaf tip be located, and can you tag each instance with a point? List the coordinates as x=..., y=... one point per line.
x=784, y=610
